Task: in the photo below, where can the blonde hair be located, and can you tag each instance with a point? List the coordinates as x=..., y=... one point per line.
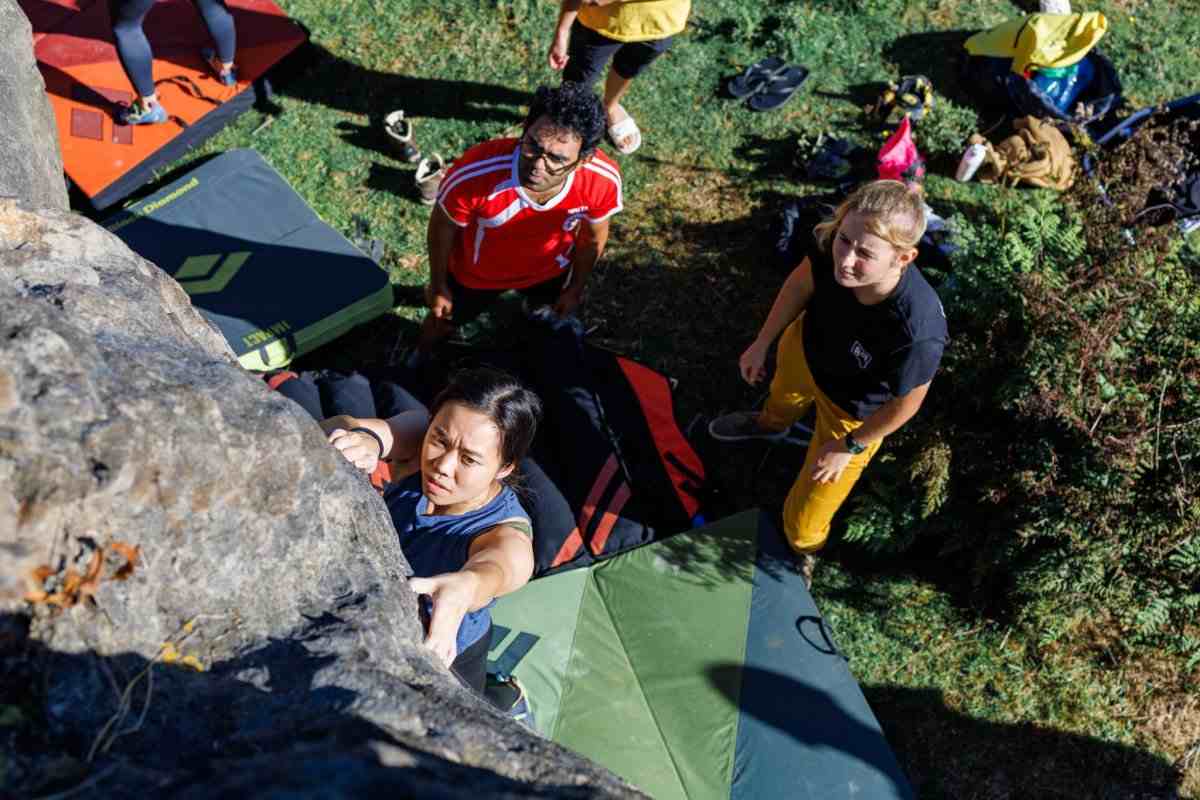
x=894, y=211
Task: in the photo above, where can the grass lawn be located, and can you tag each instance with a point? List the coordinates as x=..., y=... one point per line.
x=974, y=709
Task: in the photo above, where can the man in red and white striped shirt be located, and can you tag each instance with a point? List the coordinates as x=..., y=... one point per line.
x=529, y=214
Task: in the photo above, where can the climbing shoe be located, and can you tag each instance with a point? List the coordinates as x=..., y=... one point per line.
x=141, y=113
x=227, y=77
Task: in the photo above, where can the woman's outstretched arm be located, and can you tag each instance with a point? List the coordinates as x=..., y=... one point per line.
x=500, y=561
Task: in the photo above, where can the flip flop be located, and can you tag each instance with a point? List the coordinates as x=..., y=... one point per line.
x=625, y=129
x=755, y=77
x=779, y=89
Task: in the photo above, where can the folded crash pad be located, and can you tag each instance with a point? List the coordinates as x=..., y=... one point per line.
x=73, y=44
x=697, y=667
x=256, y=259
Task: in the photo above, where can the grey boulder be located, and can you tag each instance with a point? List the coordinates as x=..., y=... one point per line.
x=261, y=639
x=31, y=166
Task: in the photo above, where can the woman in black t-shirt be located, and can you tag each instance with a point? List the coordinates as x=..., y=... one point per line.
x=862, y=336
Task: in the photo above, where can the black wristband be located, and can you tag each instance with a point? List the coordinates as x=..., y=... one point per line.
x=373, y=435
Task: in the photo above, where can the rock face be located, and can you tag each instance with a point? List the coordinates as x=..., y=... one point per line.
x=30, y=164
x=262, y=634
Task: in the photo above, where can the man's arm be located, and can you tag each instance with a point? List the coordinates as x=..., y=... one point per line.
x=588, y=249
x=439, y=241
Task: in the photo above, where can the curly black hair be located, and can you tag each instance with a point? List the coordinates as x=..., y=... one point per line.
x=572, y=106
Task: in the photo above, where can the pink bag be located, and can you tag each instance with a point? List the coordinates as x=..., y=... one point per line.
x=899, y=159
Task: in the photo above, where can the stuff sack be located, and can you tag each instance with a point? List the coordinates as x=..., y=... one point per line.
x=1036, y=154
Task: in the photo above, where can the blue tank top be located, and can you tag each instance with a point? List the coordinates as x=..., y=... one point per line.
x=435, y=544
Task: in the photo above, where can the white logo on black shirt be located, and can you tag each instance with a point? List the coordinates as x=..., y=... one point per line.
x=861, y=355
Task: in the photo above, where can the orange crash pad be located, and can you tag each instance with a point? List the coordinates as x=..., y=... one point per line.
x=73, y=44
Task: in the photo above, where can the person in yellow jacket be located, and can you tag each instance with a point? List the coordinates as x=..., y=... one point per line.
x=630, y=33
x=862, y=336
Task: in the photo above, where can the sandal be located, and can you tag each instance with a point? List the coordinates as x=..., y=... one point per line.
x=625, y=131
x=779, y=89
x=429, y=178
x=400, y=133
x=754, y=77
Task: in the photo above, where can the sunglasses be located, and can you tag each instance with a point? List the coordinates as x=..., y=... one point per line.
x=554, y=164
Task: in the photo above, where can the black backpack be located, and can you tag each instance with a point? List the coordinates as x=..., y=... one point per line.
x=996, y=87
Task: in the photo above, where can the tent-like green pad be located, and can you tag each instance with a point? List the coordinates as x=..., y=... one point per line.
x=697, y=667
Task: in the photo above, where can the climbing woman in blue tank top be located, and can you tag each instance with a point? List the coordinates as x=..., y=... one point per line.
x=461, y=527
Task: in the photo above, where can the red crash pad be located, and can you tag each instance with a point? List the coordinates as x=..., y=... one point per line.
x=73, y=43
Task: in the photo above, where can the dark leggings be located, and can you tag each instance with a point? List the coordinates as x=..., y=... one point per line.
x=134, y=48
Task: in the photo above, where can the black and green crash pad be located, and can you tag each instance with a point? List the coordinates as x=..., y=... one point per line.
x=697, y=667
x=257, y=261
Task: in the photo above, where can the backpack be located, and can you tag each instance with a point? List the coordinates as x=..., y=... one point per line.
x=1093, y=107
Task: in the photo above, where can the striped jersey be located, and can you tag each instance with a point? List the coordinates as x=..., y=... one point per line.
x=507, y=241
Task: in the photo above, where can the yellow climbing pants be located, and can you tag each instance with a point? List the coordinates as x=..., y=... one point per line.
x=810, y=506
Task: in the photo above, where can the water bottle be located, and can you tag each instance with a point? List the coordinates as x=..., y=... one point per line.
x=1061, y=85
x=972, y=158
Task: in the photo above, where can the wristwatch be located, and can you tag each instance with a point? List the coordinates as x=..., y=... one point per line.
x=853, y=445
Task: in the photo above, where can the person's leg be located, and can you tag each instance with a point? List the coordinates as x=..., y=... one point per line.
x=545, y=293
x=220, y=26
x=133, y=48
x=346, y=394
x=615, y=87
x=470, y=666
x=809, y=508
x=587, y=54
x=628, y=62
x=468, y=304
x=391, y=399
x=792, y=386
x=791, y=395
x=302, y=391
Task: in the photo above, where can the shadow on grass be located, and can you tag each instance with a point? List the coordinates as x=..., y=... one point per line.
x=329, y=80
x=942, y=752
x=399, y=181
x=947, y=754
